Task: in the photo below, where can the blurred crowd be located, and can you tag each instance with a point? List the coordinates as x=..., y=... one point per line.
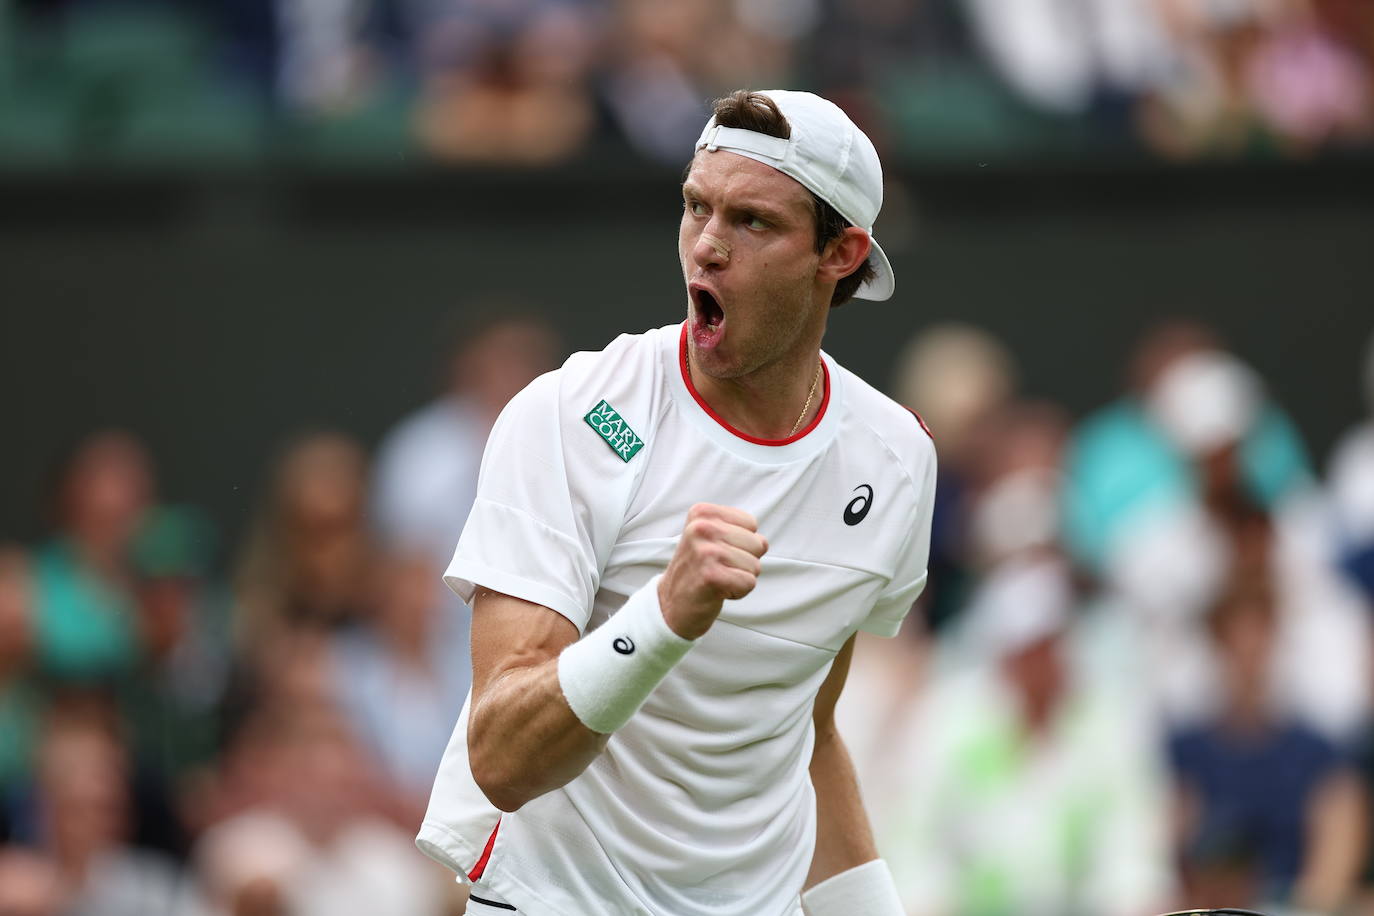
x=176, y=739
x=537, y=82
x=1140, y=677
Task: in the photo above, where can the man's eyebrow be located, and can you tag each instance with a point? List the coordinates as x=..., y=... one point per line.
x=768, y=211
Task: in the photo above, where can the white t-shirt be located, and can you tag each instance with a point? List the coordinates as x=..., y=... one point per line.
x=702, y=803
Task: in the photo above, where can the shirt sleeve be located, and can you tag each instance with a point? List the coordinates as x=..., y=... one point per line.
x=538, y=524
x=906, y=585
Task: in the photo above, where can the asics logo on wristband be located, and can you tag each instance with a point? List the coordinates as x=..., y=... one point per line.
x=624, y=645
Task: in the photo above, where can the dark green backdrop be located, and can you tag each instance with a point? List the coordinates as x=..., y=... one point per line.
x=215, y=315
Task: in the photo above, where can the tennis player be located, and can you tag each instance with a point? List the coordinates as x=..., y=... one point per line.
x=673, y=545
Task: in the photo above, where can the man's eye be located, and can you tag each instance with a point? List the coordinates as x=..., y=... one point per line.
x=695, y=207
x=755, y=222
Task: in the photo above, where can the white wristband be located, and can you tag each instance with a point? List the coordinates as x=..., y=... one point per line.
x=866, y=888
x=609, y=673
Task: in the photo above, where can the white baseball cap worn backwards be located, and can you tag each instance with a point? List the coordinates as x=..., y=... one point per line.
x=829, y=156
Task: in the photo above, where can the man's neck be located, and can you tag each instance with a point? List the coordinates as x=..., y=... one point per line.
x=773, y=403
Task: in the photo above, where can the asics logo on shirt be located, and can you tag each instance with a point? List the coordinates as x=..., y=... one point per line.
x=858, y=506
x=623, y=644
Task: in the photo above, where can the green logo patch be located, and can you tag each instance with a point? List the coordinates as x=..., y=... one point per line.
x=612, y=427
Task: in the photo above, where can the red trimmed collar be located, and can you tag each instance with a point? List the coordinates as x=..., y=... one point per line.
x=696, y=396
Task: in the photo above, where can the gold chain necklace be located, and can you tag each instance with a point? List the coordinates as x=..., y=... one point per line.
x=809, y=395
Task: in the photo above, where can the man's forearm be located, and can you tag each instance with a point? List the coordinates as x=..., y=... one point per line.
x=844, y=838
x=524, y=739
x=543, y=708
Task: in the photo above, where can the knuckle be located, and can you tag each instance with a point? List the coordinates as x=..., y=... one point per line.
x=715, y=580
x=699, y=528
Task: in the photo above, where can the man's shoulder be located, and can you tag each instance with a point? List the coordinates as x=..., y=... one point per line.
x=897, y=427
x=627, y=376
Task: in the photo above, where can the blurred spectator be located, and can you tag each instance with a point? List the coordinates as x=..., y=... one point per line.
x=1169, y=561
x=1028, y=789
x=957, y=377
x=312, y=842
x=403, y=677
x=530, y=82
x=323, y=64
x=171, y=703
x=668, y=58
x=506, y=83
x=426, y=469
x=29, y=884
x=1063, y=55
x=1252, y=71
x=650, y=84
x=308, y=561
x=857, y=45
x=1203, y=107
x=1123, y=464
x=1309, y=88
x=87, y=615
x=1351, y=487
x=21, y=702
x=84, y=818
x=1270, y=813
x=1015, y=511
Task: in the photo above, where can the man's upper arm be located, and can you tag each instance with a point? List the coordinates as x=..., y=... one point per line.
x=510, y=633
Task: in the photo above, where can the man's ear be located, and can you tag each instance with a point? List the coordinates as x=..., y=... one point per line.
x=843, y=255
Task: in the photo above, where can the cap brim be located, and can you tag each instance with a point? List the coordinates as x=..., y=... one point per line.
x=884, y=283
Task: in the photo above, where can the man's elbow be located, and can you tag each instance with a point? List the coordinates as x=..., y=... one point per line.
x=504, y=799
x=500, y=784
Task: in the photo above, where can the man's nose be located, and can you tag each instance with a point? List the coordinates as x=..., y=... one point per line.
x=711, y=250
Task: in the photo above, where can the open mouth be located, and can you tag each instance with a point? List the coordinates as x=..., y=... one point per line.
x=708, y=319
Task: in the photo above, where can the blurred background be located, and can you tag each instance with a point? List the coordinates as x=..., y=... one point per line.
x=270, y=268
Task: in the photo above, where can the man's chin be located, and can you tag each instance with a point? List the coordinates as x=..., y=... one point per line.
x=712, y=361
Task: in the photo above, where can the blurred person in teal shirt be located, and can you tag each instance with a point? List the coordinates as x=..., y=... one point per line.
x=86, y=610
x=21, y=704
x=1123, y=463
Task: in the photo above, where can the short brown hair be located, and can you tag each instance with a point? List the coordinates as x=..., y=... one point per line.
x=755, y=111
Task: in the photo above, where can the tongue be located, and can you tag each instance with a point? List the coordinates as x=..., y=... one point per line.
x=709, y=329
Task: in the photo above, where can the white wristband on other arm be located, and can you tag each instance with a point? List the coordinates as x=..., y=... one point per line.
x=866, y=888
x=609, y=673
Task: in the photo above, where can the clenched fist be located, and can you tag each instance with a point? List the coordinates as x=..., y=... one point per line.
x=716, y=558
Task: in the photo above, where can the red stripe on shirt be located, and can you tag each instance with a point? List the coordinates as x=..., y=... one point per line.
x=922, y=422
x=481, y=865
